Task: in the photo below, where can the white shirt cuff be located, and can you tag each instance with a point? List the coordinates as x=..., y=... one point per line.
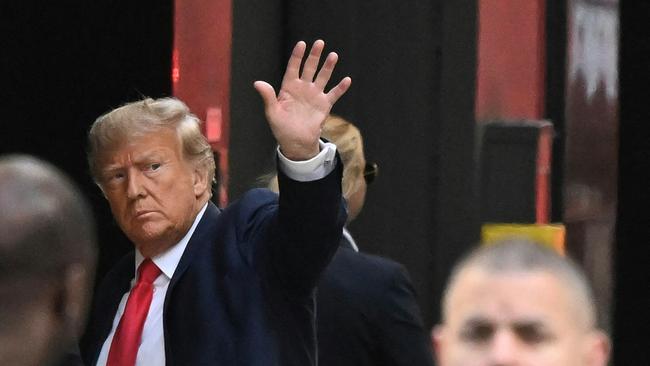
x=313, y=169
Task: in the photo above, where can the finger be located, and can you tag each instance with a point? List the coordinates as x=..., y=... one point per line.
x=339, y=89
x=326, y=71
x=311, y=64
x=267, y=93
x=293, y=66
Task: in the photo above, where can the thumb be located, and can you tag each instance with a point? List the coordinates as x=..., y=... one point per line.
x=267, y=93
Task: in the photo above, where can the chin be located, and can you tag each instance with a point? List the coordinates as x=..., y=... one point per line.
x=149, y=241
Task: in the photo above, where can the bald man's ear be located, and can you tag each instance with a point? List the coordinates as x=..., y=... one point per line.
x=77, y=292
x=598, y=349
x=438, y=342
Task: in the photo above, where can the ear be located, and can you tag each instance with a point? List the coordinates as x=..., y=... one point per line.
x=598, y=349
x=75, y=297
x=438, y=342
x=200, y=181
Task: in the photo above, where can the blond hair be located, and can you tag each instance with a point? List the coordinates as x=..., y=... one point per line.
x=149, y=116
x=349, y=144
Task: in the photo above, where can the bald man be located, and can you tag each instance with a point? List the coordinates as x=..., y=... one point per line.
x=47, y=254
x=518, y=303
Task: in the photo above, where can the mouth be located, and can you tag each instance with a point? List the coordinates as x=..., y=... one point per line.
x=143, y=214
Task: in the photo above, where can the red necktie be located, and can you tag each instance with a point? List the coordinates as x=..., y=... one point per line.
x=124, y=347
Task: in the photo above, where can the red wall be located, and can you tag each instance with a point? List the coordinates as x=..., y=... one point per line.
x=510, y=76
x=511, y=60
x=201, y=71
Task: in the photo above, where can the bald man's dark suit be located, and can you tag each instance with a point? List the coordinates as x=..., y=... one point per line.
x=242, y=293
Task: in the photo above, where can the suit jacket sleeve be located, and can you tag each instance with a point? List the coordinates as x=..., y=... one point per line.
x=294, y=240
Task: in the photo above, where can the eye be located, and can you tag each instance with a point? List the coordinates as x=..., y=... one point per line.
x=532, y=333
x=149, y=168
x=477, y=333
x=114, y=177
x=154, y=166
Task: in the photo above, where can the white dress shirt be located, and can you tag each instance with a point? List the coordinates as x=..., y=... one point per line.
x=152, y=349
x=348, y=236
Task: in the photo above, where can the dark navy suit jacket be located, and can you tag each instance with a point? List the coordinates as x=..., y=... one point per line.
x=242, y=293
x=368, y=314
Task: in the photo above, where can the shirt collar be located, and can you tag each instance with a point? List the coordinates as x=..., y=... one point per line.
x=350, y=239
x=168, y=260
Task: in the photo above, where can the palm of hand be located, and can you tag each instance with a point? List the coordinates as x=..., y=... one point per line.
x=299, y=113
x=296, y=115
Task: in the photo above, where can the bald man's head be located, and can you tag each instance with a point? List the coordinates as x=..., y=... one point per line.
x=44, y=221
x=47, y=255
x=518, y=303
x=520, y=256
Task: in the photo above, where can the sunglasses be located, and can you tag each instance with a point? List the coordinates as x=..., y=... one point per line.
x=370, y=172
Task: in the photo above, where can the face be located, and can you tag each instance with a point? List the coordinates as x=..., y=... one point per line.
x=34, y=332
x=525, y=319
x=153, y=192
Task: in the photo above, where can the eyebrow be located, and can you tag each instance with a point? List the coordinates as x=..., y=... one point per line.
x=534, y=322
x=476, y=321
x=144, y=157
x=109, y=168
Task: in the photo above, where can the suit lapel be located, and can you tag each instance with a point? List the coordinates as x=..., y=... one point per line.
x=201, y=236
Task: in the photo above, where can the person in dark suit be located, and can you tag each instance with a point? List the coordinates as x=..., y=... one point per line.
x=367, y=312
x=207, y=286
x=47, y=262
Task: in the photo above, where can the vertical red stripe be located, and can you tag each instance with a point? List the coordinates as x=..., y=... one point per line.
x=511, y=72
x=511, y=60
x=201, y=69
x=543, y=176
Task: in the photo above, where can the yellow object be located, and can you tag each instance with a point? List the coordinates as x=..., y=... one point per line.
x=547, y=234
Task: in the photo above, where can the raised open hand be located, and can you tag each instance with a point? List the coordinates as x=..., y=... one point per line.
x=298, y=112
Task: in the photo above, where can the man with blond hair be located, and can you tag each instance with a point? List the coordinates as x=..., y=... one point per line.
x=206, y=286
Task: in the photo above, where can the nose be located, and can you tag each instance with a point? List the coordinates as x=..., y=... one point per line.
x=504, y=349
x=135, y=185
